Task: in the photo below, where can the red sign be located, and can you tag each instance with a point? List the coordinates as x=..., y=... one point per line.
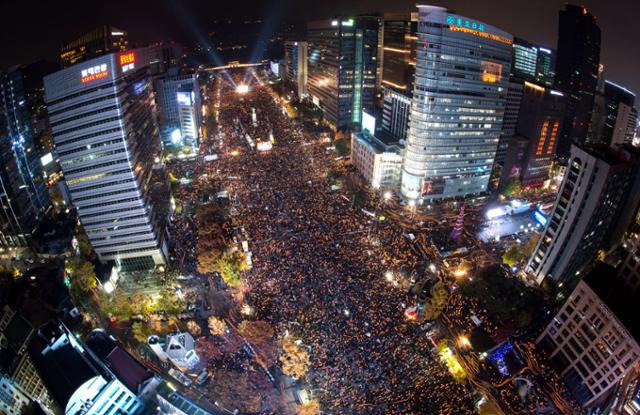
x=127, y=58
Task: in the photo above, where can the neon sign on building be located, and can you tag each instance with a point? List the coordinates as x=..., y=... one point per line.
x=469, y=24
x=127, y=61
x=93, y=73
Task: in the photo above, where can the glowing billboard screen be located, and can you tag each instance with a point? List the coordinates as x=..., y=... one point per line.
x=127, y=61
x=539, y=217
x=184, y=98
x=368, y=123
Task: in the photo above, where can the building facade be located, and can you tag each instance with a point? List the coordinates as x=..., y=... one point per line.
x=462, y=71
x=395, y=113
x=379, y=163
x=399, y=51
x=532, y=63
x=106, y=136
x=614, y=116
x=100, y=41
x=577, y=65
x=510, y=119
x=179, y=109
x=23, y=193
x=342, y=67
x=295, y=58
x=532, y=150
x=592, y=340
x=597, y=200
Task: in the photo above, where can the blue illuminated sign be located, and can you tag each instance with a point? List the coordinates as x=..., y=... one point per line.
x=539, y=217
x=460, y=22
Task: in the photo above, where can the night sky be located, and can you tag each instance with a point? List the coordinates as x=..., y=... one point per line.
x=36, y=29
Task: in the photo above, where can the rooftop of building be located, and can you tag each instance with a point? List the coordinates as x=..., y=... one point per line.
x=613, y=156
x=381, y=142
x=129, y=371
x=63, y=368
x=622, y=302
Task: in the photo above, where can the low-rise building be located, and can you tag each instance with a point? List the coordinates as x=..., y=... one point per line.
x=179, y=349
x=378, y=162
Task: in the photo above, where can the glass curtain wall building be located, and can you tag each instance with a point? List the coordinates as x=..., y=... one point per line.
x=23, y=194
x=462, y=73
x=342, y=67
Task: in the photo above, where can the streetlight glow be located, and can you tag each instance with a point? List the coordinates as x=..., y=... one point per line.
x=242, y=89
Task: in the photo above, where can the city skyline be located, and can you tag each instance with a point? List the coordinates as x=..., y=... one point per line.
x=189, y=22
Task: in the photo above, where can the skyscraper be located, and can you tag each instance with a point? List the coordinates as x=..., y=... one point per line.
x=614, y=116
x=342, y=67
x=399, y=51
x=533, y=148
x=597, y=200
x=577, y=72
x=399, y=61
x=100, y=41
x=545, y=66
x=23, y=194
x=462, y=70
x=106, y=136
x=295, y=58
x=179, y=109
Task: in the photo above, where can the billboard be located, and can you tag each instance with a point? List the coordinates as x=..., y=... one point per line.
x=184, y=98
x=368, y=123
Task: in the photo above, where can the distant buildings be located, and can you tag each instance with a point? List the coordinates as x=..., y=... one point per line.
x=532, y=149
x=102, y=116
x=458, y=105
x=597, y=200
x=577, y=73
x=23, y=193
x=532, y=63
x=100, y=41
x=593, y=339
x=295, y=60
x=342, y=67
x=179, y=109
x=395, y=113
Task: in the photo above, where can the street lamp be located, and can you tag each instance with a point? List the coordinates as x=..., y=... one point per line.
x=387, y=195
x=242, y=89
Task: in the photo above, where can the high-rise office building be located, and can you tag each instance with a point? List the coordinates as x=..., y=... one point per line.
x=399, y=51
x=106, y=137
x=597, y=200
x=395, y=113
x=398, y=69
x=533, y=148
x=23, y=193
x=342, y=67
x=462, y=72
x=545, y=66
x=179, y=109
x=100, y=41
x=577, y=63
x=525, y=60
x=532, y=63
x=296, y=59
x=614, y=116
x=510, y=119
x=593, y=339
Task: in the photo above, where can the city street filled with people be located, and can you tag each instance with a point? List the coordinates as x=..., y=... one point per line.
x=320, y=264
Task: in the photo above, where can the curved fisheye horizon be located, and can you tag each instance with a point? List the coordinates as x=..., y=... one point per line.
x=314, y=208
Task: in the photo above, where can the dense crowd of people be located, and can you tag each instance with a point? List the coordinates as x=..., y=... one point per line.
x=319, y=267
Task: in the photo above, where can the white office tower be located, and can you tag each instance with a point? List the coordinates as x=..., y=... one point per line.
x=106, y=137
x=462, y=72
